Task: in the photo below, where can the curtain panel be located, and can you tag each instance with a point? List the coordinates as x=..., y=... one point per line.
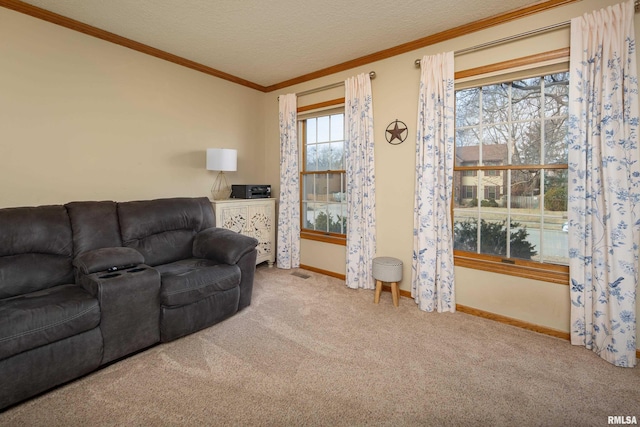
x=360, y=177
x=432, y=279
x=604, y=183
x=288, y=252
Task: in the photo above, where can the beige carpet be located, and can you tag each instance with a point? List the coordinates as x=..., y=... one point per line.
x=312, y=352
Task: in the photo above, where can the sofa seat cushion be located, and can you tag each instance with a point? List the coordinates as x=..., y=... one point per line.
x=39, y=318
x=190, y=280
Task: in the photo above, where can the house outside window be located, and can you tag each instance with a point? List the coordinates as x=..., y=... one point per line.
x=323, y=185
x=492, y=192
x=469, y=192
x=510, y=173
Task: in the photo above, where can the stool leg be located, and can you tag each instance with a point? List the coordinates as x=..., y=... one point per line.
x=394, y=292
x=376, y=298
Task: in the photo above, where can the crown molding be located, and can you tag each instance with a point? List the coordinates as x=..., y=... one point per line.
x=426, y=41
x=81, y=27
x=90, y=30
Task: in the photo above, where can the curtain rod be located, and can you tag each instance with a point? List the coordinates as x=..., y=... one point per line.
x=505, y=40
x=518, y=36
x=372, y=75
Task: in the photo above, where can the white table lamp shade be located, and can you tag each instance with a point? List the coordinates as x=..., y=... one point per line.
x=222, y=159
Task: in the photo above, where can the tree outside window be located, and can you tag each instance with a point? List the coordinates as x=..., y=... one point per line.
x=323, y=198
x=510, y=173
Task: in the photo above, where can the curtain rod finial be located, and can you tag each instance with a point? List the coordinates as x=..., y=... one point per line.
x=372, y=75
x=417, y=63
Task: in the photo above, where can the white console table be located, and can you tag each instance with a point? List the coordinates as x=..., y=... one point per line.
x=250, y=217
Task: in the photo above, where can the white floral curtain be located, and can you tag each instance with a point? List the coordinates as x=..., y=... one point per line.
x=288, y=255
x=604, y=183
x=361, y=188
x=432, y=281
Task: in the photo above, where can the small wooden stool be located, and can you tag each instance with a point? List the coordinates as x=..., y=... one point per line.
x=387, y=269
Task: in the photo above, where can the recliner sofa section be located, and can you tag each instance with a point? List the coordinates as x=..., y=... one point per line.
x=49, y=326
x=65, y=310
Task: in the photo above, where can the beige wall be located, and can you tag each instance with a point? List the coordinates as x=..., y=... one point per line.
x=84, y=119
x=395, y=97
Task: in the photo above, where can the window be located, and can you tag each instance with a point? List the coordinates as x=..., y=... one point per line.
x=492, y=172
x=469, y=191
x=491, y=192
x=323, y=186
x=511, y=150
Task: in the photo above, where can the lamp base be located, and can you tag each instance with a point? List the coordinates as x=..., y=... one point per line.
x=221, y=190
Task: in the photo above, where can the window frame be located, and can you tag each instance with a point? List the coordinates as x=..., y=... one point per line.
x=554, y=273
x=309, y=111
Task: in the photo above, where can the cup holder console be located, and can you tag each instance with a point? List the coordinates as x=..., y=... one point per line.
x=111, y=273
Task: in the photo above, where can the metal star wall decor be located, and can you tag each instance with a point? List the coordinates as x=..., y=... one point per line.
x=396, y=130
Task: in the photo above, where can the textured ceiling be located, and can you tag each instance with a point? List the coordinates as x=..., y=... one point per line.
x=268, y=42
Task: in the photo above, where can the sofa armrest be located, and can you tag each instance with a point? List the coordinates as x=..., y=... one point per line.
x=222, y=245
x=106, y=258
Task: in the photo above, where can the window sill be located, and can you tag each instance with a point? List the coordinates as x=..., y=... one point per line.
x=544, y=272
x=324, y=237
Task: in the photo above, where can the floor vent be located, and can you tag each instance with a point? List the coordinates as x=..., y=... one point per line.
x=300, y=275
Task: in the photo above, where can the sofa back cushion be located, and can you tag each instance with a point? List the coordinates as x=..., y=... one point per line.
x=36, y=249
x=94, y=225
x=162, y=230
